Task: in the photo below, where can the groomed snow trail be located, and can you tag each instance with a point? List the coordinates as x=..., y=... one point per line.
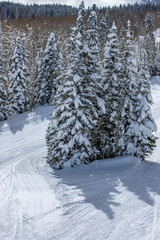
x=114, y=199
x=27, y=204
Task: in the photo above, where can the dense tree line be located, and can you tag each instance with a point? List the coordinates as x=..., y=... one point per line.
x=135, y=12
x=10, y=10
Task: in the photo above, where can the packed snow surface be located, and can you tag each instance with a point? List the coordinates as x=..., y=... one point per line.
x=115, y=199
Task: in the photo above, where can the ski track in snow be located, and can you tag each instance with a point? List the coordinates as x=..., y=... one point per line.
x=27, y=204
x=115, y=199
x=155, y=232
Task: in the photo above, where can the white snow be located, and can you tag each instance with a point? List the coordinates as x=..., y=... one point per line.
x=157, y=35
x=115, y=199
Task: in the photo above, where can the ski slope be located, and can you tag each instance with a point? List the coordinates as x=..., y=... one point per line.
x=115, y=199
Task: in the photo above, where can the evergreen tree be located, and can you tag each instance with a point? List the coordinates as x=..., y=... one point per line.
x=142, y=126
x=150, y=45
x=157, y=59
x=93, y=77
x=130, y=88
x=25, y=69
x=40, y=84
x=139, y=124
x=122, y=40
x=49, y=63
x=3, y=81
x=111, y=123
x=18, y=90
x=103, y=32
x=68, y=134
x=3, y=100
x=51, y=69
x=58, y=68
x=33, y=56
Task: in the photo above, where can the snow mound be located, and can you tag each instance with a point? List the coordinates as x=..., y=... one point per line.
x=117, y=163
x=109, y=166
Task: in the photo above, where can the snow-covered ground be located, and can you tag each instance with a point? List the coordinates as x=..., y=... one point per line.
x=115, y=199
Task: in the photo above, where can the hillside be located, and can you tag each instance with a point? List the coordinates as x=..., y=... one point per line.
x=107, y=199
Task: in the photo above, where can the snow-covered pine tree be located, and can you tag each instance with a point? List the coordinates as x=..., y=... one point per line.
x=23, y=50
x=93, y=38
x=111, y=122
x=103, y=32
x=33, y=47
x=58, y=68
x=18, y=90
x=122, y=40
x=51, y=66
x=73, y=116
x=92, y=77
x=133, y=136
x=40, y=83
x=25, y=69
x=49, y=70
x=80, y=19
x=3, y=100
x=157, y=59
x=150, y=45
x=142, y=125
x=3, y=81
x=49, y=63
x=128, y=73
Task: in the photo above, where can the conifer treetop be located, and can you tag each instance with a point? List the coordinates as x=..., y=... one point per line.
x=114, y=26
x=149, y=25
x=80, y=18
x=128, y=29
x=81, y=6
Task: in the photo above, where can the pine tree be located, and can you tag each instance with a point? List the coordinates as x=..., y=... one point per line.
x=73, y=117
x=142, y=126
x=40, y=83
x=25, y=69
x=49, y=63
x=139, y=124
x=49, y=71
x=122, y=40
x=93, y=77
x=18, y=90
x=103, y=32
x=3, y=100
x=111, y=124
x=3, y=81
x=157, y=59
x=58, y=68
x=33, y=43
x=130, y=87
x=150, y=45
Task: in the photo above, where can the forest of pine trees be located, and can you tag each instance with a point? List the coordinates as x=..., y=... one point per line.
x=96, y=75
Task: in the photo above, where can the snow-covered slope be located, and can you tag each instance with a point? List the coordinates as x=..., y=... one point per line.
x=115, y=199
x=27, y=204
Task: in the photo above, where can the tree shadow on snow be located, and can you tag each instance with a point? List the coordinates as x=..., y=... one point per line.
x=17, y=122
x=104, y=187
x=1, y=127
x=155, y=80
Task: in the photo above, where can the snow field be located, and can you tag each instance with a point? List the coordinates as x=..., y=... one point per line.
x=114, y=199
x=27, y=203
